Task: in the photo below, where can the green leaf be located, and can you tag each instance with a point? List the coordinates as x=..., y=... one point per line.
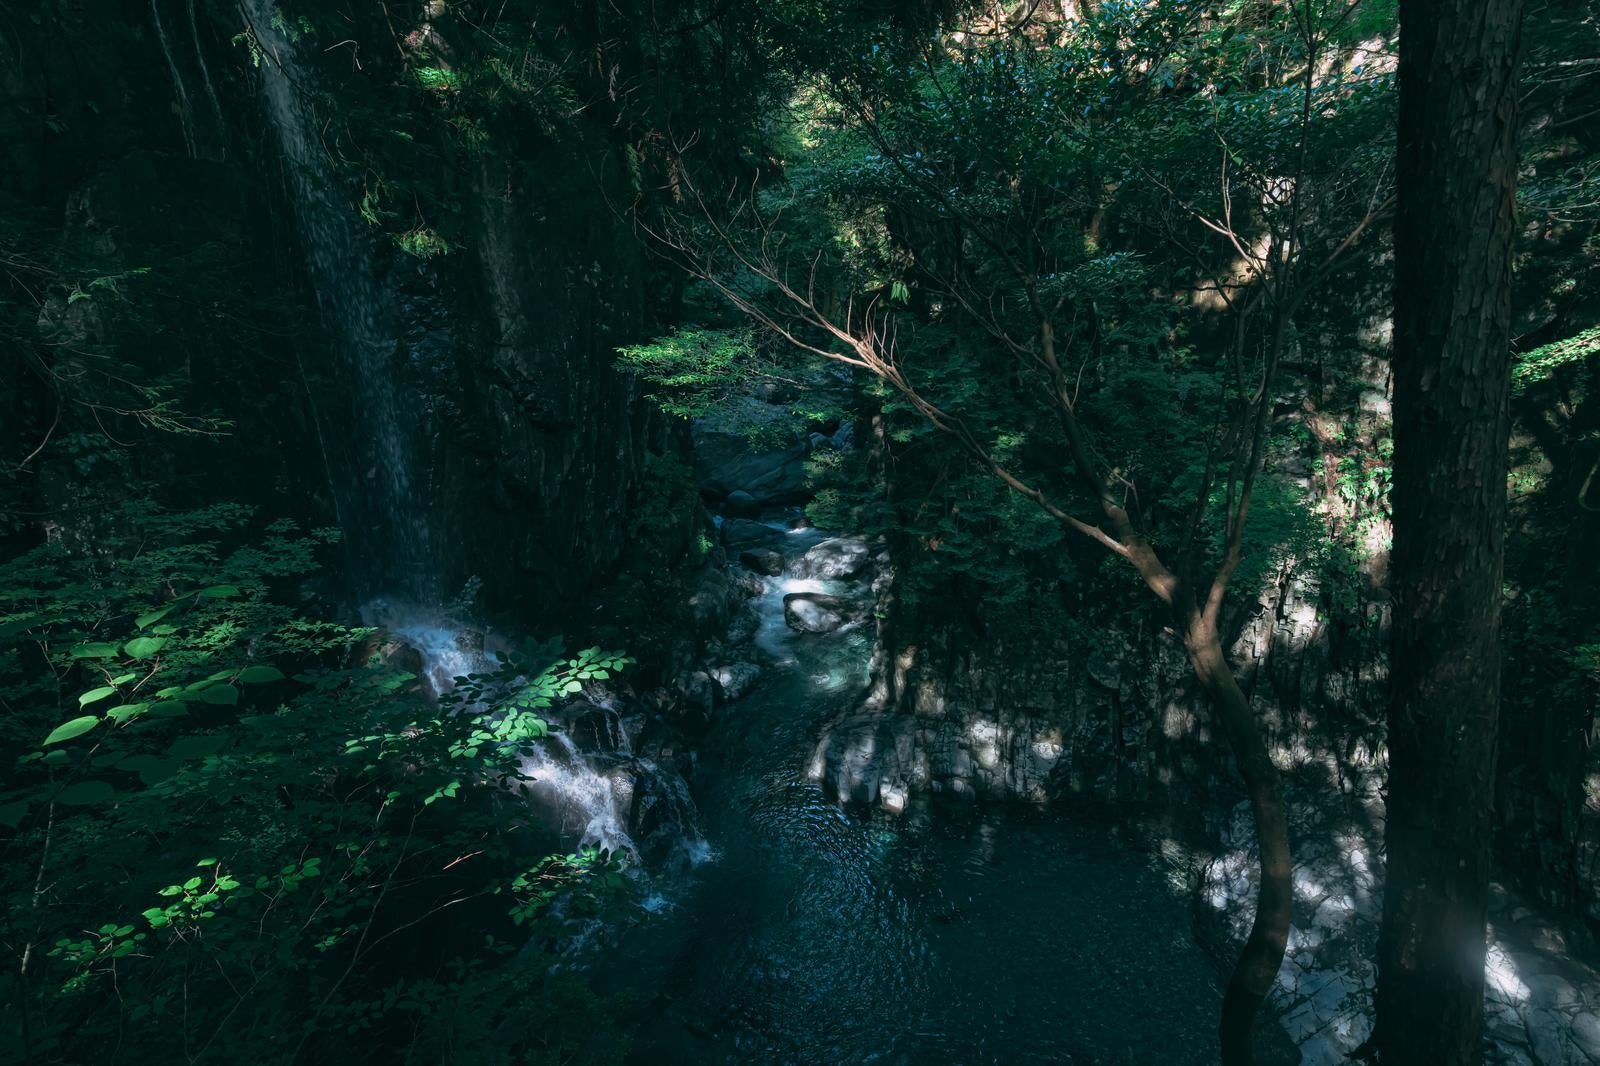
x=144, y=647
x=255, y=675
x=169, y=709
x=126, y=712
x=85, y=793
x=94, y=651
x=75, y=728
x=193, y=747
x=219, y=592
x=96, y=694
x=151, y=770
x=152, y=616
x=224, y=695
x=11, y=813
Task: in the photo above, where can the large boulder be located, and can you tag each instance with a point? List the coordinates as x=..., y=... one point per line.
x=736, y=678
x=726, y=464
x=838, y=559
x=762, y=561
x=817, y=612
x=741, y=533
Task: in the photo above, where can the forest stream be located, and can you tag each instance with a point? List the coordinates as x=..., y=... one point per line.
x=949, y=934
x=868, y=533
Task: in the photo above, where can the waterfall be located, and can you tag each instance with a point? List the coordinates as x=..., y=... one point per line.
x=381, y=508
x=584, y=779
x=579, y=800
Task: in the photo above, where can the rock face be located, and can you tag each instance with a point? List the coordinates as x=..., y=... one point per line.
x=952, y=712
x=728, y=466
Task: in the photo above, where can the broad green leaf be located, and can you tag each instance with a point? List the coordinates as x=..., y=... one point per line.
x=94, y=651
x=152, y=616
x=225, y=695
x=96, y=694
x=255, y=675
x=85, y=793
x=219, y=592
x=193, y=747
x=126, y=712
x=144, y=647
x=75, y=728
x=11, y=814
x=151, y=770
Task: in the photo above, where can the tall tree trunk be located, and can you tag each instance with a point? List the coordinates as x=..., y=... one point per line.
x=1454, y=230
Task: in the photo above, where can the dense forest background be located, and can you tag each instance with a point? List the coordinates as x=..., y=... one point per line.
x=405, y=408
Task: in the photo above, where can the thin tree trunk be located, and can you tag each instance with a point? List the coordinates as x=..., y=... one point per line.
x=1262, y=955
x=1454, y=230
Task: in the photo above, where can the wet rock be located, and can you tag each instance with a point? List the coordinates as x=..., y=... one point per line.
x=661, y=816
x=762, y=561
x=698, y=695
x=741, y=533
x=1586, y=1034
x=1105, y=668
x=597, y=729
x=740, y=504
x=816, y=612
x=712, y=600
x=398, y=655
x=772, y=392
x=742, y=627
x=736, y=678
x=838, y=559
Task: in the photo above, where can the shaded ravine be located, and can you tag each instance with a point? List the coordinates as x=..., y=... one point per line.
x=950, y=934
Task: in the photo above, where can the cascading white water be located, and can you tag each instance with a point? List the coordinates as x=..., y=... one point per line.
x=382, y=511
x=598, y=798
x=581, y=802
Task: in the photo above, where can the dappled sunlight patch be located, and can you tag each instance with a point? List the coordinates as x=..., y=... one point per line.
x=1500, y=974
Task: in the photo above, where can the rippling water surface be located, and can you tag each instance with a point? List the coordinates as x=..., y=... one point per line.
x=951, y=934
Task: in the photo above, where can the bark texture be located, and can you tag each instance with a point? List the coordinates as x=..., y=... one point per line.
x=1453, y=250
